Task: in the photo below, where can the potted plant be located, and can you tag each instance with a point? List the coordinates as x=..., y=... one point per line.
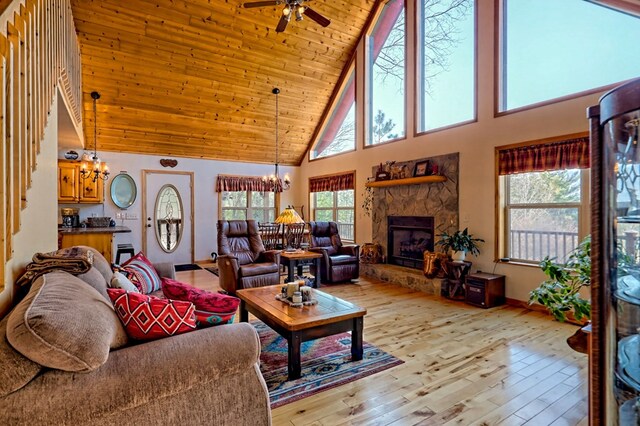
x=560, y=292
x=460, y=243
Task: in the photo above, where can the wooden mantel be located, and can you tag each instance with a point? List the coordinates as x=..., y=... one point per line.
x=406, y=181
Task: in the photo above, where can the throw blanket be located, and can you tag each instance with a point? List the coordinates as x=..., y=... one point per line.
x=74, y=260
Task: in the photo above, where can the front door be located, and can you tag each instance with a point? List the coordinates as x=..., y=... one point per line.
x=167, y=233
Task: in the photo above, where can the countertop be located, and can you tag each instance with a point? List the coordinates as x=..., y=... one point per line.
x=103, y=230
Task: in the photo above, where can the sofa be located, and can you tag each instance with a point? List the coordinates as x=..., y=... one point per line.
x=65, y=359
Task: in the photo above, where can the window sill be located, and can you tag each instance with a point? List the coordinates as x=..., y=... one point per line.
x=519, y=263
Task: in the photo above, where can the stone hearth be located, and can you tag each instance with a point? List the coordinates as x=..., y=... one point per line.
x=400, y=275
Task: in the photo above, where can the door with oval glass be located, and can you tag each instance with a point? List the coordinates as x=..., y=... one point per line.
x=168, y=214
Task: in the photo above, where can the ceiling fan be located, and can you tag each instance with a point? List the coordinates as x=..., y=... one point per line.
x=291, y=7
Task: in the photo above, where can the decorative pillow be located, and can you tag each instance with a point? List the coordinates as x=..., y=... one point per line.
x=211, y=308
x=142, y=274
x=149, y=318
x=207, y=319
x=119, y=280
x=65, y=324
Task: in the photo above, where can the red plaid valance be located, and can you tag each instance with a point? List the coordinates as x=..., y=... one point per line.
x=226, y=183
x=339, y=182
x=567, y=154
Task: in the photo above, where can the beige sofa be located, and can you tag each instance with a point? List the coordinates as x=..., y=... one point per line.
x=65, y=359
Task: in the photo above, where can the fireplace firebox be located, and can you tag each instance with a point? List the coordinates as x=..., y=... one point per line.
x=408, y=238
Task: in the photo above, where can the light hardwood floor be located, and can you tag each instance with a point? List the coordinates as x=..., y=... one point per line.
x=463, y=365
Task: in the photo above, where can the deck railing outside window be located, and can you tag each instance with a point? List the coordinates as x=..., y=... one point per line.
x=535, y=245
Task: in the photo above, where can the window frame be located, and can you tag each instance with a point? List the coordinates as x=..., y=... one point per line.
x=335, y=209
x=502, y=225
x=417, y=99
x=327, y=115
x=249, y=209
x=368, y=77
x=499, y=80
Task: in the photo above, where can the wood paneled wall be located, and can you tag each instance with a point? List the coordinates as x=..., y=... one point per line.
x=38, y=51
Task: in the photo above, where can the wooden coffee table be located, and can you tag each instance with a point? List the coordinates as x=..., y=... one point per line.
x=330, y=316
x=295, y=258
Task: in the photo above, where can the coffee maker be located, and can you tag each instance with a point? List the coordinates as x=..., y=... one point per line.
x=70, y=217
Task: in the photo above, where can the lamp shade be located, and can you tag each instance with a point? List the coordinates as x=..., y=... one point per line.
x=289, y=215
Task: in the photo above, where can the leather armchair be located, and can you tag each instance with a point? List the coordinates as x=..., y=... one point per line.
x=339, y=262
x=243, y=262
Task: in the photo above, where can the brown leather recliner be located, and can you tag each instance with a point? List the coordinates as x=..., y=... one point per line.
x=243, y=262
x=339, y=262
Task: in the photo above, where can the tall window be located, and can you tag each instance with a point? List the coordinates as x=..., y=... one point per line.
x=339, y=131
x=241, y=205
x=552, y=49
x=545, y=200
x=333, y=200
x=336, y=206
x=386, y=62
x=446, y=63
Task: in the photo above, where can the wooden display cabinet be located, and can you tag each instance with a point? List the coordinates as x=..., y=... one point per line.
x=73, y=189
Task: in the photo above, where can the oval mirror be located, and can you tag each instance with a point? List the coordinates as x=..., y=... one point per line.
x=168, y=218
x=123, y=190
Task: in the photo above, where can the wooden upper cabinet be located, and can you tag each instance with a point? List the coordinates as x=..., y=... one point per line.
x=73, y=189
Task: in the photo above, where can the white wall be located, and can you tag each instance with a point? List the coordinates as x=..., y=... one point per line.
x=476, y=143
x=38, y=231
x=206, y=198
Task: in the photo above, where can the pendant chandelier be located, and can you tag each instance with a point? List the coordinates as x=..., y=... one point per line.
x=273, y=182
x=94, y=169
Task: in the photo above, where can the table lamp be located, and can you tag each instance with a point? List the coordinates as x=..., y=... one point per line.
x=287, y=217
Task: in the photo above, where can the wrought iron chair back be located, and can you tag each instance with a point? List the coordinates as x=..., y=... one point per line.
x=294, y=234
x=271, y=236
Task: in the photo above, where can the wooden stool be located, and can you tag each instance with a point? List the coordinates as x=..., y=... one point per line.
x=124, y=249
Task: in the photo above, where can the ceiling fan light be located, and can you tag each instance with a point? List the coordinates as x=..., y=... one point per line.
x=286, y=11
x=298, y=15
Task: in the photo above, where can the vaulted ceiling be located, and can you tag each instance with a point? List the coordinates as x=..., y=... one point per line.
x=194, y=77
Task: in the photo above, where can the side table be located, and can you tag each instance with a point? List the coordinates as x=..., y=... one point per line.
x=291, y=260
x=454, y=284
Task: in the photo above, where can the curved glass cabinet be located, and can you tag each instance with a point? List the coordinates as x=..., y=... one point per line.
x=614, y=378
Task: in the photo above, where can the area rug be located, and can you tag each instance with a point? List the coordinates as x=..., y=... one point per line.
x=187, y=267
x=326, y=363
x=213, y=270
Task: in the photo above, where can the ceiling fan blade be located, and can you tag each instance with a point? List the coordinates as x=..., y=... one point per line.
x=261, y=4
x=315, y=16
x=282, y=23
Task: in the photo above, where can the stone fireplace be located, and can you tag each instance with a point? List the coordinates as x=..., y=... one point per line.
x=408, y=238
x=434, y=203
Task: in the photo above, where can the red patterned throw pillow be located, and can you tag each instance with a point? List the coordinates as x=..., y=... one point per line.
x=211, y=308
x=142, y=274
x=150, y=318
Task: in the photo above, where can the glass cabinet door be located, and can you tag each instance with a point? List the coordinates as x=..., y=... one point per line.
x=615, y=349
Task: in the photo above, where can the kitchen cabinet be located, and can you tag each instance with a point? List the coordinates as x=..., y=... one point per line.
x=72, y=188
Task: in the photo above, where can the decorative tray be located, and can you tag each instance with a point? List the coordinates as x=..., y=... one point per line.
x=311, y=302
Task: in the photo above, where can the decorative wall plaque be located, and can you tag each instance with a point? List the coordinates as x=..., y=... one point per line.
x=168, y=162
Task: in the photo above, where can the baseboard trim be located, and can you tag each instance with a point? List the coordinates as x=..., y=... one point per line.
x=539, y=308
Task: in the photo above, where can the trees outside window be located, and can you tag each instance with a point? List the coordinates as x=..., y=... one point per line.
x=339, y=134
x=545, y=213
x=446, y=63
x=386, y=63
x=242, y=205
x=336, y=206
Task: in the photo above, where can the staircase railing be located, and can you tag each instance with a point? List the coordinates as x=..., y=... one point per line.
x=39, y=54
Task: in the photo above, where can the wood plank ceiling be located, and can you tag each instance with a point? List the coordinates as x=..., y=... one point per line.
x=194, y=77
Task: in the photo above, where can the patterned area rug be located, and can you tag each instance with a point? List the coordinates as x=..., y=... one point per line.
x=326, y=363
